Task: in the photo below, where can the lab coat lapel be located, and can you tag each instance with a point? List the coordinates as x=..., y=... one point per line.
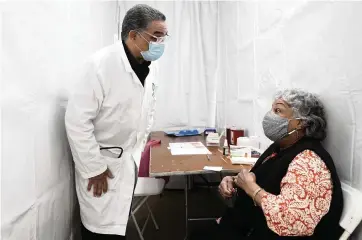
x=148, y=101
x=148, y=108
x=128, y=67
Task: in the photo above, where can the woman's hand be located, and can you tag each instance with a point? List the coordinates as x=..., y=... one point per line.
x=247, y=181
x=226, y=187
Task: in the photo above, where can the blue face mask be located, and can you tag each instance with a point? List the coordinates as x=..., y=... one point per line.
x=155, y=51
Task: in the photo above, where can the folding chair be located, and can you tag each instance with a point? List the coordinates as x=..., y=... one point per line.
x=352, y=211
x=145, y=188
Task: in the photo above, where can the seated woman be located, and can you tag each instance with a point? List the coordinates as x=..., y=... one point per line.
x=293, y=190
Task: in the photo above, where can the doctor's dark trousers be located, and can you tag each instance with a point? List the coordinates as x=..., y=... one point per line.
x=88, y=235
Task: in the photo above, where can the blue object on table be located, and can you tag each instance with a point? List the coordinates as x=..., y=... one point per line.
x=183, y=133
x=209, y=130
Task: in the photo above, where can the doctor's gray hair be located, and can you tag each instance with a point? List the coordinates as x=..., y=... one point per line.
x=309, y=109
x=138, y=18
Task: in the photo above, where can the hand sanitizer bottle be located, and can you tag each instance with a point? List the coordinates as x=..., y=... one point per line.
x=225, y=148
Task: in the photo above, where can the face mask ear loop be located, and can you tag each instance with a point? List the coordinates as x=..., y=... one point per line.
x=138, y=47
x=291, y=132
x=143, y=39
x=287, y=134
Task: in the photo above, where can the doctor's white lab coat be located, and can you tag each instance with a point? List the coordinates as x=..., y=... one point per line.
x=109, y=108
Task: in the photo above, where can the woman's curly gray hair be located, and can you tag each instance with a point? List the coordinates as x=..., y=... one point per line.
x=309, y=109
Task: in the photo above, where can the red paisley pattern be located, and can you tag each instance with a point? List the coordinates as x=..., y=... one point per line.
x=305, y=197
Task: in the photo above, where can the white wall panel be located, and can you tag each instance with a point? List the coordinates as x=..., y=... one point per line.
x=44, y=44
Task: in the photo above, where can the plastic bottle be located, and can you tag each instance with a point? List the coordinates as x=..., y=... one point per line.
x=225, y=149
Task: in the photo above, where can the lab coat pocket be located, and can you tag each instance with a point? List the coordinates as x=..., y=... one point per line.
x=114, y=166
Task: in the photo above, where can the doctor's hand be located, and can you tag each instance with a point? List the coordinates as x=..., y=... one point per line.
x=99, y=183
x=226, y=187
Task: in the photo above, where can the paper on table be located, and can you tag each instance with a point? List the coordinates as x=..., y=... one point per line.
x=216, y=169
x=188, y=148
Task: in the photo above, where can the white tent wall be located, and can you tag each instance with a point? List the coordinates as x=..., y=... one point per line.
x=312, y=45
x=43, y=45
x=1, y=73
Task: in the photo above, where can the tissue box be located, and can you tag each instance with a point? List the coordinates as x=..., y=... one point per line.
x=237, y=151
x=243, y=155
x=213, y=140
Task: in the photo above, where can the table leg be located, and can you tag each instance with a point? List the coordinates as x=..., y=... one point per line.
x=187, y=179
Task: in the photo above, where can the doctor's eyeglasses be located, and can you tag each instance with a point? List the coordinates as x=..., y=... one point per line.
x=156, y=39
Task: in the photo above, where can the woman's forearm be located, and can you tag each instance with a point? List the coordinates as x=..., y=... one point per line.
x=259, y=197
x=256, y=194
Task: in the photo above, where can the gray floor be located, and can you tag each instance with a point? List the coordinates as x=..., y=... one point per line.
x=170, y=215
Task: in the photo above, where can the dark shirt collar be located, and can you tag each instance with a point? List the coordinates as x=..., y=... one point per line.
x=132, y=60
x=141, y=69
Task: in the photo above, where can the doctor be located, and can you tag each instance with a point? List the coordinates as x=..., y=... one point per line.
x=110, y=114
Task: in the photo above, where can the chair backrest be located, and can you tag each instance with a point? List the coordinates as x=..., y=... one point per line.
x=352, y=210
